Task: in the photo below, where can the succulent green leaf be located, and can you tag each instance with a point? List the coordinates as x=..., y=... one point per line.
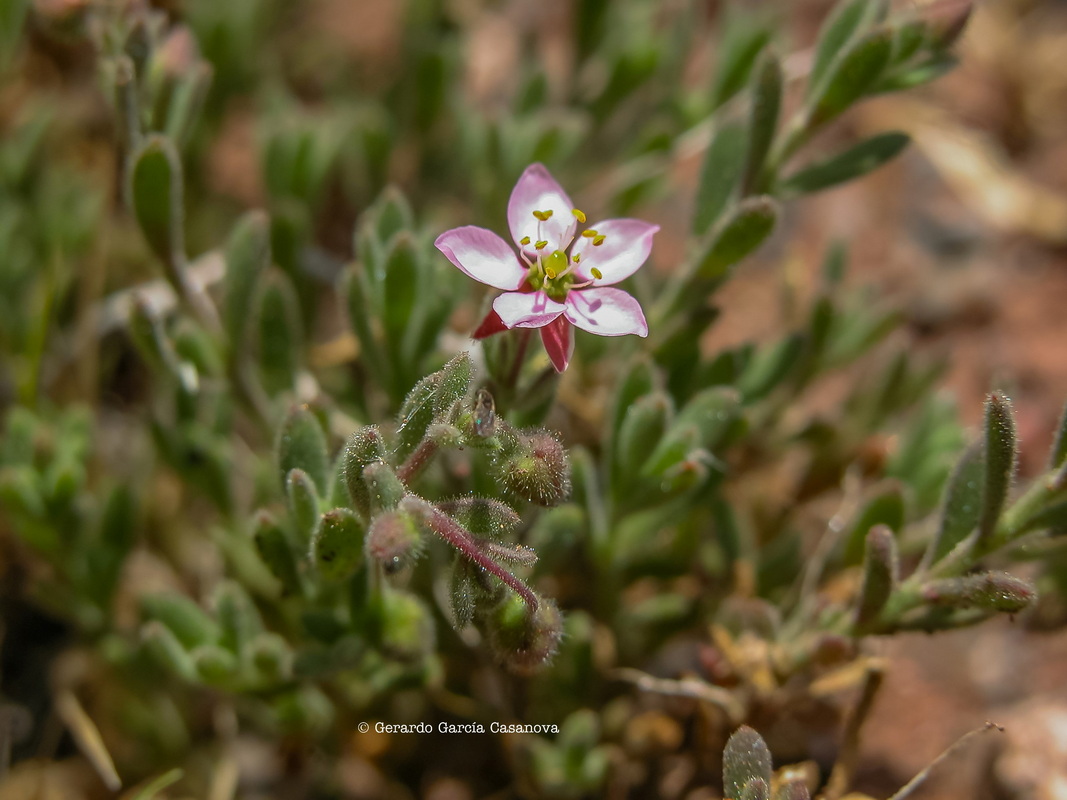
x=742, y=42
x=364, y=447
x=402, y=289
x=763, y=120
x=642, y=429
x=416, y=414
x=454, y=383
x=744, y=759
x=215, y=666
x=156, y=197
x=720, y=175
x=280, y=332
x=183, y=617
x=274, y=550
x=838, y=30
x=855, y=162
x=302, y=445
x=880, y=571
x=303, y=500
x=885, y=508
x=163, y=646
x=769, y=367
x=1058, y=456
x=237, y=615
x=962, y=504
x=737, y=236
x=337, y=547
x=853, y=75
x=989, y=591
x=247, y=258
x=1000, y=459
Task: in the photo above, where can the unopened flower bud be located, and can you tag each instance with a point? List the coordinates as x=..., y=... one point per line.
x=394, y=540
x=524, y=640
x=538, y=471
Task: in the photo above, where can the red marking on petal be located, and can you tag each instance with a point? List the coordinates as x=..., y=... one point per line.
x=490, y=325
x=559, y=342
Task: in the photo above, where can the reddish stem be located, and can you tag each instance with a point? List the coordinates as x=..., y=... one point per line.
x=418, y=459
x=461, y=539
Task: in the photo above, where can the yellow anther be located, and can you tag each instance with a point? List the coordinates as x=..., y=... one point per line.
x=589, y=234
x=541, y=244
x=598, y=240
x=551, y=273
x=579, y=214
x=524, y=240
x=576, y=257
x=543, y=215
x=596, y=273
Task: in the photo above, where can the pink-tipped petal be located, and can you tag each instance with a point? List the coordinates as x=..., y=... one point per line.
x=626, y=245
x=606, y=311
x=482, y=255
x=537, y=190
x=559, y=342
x=527, y=309
x=490, y=325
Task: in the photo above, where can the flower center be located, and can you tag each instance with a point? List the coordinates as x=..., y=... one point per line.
x=553, y=272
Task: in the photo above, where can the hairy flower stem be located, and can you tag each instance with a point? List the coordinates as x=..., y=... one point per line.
x=418, y=459
x=460, y=538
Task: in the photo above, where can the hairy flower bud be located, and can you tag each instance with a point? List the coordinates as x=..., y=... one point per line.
x=394, y=540
x=524, y=640
x=539, y=470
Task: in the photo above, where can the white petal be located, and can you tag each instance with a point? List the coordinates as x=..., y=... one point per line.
x=482, y=255
x=606, y=311
x=527, y=309
x=537, y=190
x=626, y=245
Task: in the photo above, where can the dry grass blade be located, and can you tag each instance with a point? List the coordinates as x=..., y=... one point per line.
x=87, y=737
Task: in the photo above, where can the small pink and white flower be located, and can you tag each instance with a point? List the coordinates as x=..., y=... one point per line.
x=559, y=277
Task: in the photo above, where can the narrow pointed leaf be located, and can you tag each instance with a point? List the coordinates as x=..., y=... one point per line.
x=1000, y=459
x=865, y=157
x=247, y=259
x=737, y=236
x=962, y=504
x=852, y=75
x=836, y=32
x=744, y=759
x=156, y=197
x=720, y=175
x=763, y=120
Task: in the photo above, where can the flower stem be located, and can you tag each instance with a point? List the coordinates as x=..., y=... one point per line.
x=461, y=539
x=418, y=459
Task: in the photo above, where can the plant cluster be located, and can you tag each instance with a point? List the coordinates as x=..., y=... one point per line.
x=287, y=487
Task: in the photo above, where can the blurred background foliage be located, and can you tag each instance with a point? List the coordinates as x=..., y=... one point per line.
x=228, y=344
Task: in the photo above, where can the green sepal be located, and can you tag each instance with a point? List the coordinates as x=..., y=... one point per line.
x=248, y=257
x=744, y=759
x=853, y=163
x=737, y=236
x=185, y=618
x=301, y=444
x=303, y=501
x=337, y=547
